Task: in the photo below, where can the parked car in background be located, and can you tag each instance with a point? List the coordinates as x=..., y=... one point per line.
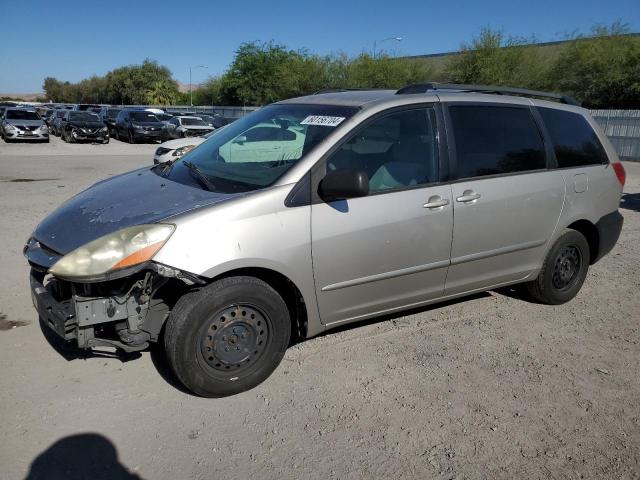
x=79, y=126
x=181, y=127
x=108, y=116
x=206, y=118
x=54, y=121
x=138, y=125
x=23, y=124
x=164, y=117
x=47, y=115
x=174, y=149
x=86, y=106
x=220, y=121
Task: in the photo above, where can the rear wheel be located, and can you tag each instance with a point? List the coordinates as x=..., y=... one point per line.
x=564, y=270
x=227, y=337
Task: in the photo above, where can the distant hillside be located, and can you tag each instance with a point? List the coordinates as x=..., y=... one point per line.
x=18, y=97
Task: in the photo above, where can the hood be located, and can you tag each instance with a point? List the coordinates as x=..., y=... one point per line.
x=197, y=127
x=28, y=123
x=74, y=123
x=133, y=198
x=182, y=142
x=147, y=124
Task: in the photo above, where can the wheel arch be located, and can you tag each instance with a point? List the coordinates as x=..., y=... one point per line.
x=286, y=288
x=590, y=232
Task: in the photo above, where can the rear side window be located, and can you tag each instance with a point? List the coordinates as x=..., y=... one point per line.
x=574, y=141
x=492, y=140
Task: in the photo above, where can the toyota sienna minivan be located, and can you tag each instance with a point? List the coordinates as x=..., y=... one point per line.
x=323, y=210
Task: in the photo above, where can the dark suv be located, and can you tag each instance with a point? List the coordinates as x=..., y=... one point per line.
x=136, y=125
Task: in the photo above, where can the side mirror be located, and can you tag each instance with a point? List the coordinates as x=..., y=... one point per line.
x=240, y=140
x=343, y=184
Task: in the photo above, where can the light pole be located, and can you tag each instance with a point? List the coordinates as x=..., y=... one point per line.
x=375, y=43
x=190, y=88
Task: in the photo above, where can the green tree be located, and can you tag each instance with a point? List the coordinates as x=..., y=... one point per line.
x=602, y=71
x=161, y=92
x=494, y=59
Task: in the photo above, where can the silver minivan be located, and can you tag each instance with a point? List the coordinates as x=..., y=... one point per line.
x=323, y=210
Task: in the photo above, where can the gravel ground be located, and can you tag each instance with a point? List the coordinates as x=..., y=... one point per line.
x=488, y=387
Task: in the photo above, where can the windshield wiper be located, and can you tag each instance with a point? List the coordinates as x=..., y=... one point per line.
x=200, y=176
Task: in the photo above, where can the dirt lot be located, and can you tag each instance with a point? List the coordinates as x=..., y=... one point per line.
x=489, y=387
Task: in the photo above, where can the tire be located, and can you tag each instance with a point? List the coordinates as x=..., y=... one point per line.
x=563, y=271
x=241, y=312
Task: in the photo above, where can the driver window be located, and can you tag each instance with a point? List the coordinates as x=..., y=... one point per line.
x=396, y=151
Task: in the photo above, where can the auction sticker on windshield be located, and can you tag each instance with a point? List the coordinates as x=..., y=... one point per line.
x=322, y=120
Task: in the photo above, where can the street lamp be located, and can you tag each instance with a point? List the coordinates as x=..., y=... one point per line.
x=375, y=43
x=190, y=92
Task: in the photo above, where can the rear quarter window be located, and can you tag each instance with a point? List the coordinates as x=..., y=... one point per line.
x=574, y=141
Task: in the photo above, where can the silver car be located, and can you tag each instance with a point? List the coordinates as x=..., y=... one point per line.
x=23, y=124
x=186, y=126
x=324, y=210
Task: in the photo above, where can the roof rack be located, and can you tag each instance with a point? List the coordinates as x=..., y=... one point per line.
x=521, y=92
x=339, y=90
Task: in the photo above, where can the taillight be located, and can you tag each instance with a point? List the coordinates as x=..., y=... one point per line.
x=620, y=173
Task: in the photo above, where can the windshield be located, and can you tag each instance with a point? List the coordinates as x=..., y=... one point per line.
x=256, y=150
x=143, y=117
x=192, y=121
x=113, y=113
x=83, y=117
x=22, y=115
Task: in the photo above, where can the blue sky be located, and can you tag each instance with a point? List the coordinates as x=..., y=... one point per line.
x=71, y=39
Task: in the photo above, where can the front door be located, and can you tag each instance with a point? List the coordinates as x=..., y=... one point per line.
x=390, y=249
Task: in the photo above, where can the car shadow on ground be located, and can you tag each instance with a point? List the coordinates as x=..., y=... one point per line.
x=82, y=456
x=396, y=317
x=161, y=364
x=630, y=201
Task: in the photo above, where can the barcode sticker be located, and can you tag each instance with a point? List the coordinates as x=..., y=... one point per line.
x=322, y=120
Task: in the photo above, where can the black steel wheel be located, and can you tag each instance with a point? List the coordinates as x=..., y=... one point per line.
x=227, y=337
x=563, y=271
x=566, y=268
x=234, y=338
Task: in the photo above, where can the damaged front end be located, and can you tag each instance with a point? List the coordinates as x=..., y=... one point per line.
x=126, y=313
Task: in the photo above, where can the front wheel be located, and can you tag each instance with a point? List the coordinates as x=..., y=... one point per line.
x=563, y=271
x=227, y=337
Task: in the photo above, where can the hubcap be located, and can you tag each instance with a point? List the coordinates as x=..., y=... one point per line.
x=234, y=337
x=566, y=268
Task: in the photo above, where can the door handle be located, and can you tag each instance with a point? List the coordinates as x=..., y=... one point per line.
x=436, y=202
x=468, y=196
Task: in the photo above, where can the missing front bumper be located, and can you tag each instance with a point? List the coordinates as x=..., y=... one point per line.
x=112, y=321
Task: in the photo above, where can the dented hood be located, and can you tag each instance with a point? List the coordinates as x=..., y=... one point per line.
x=133, y=198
